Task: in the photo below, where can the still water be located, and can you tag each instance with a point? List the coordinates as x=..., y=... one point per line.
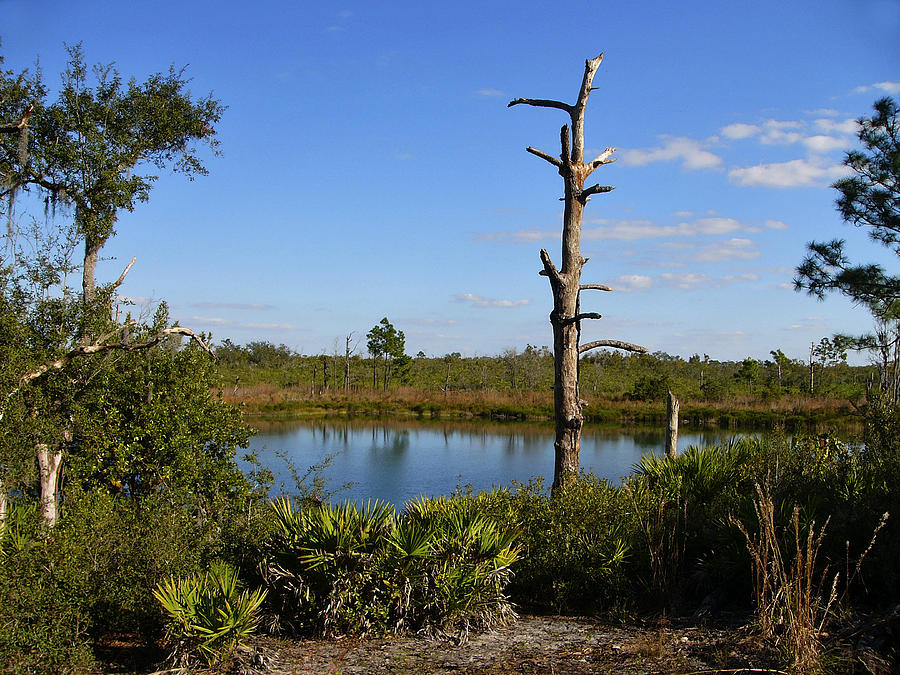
x=397, y=461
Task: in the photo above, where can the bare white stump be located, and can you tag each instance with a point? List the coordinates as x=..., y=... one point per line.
x=672, y=426
x=50, y=464
x=3, y=506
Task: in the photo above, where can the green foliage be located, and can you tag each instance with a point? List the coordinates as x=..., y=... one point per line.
x=43, y=628
x=868, y=199
x=576, y=545
x=92, y=146
x=340, y=568
x=210, y=615
x=650, y=388
x=385, y=341
x=151, y=422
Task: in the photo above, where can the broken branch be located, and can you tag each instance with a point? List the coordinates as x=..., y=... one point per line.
x=549, y=268
x=124, y=273
x=595, y=190
x=604, y=157
x=543, y=155
x=616, y=344
x=594, y=287
x=541, y=103
x=584, y=315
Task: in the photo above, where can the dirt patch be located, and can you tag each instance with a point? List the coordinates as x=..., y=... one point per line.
x=535, y=644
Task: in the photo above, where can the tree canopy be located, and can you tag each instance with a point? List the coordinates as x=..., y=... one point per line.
x=97, y=145
x=870, y=199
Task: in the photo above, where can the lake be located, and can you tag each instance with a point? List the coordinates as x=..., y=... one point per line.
x=397, y=461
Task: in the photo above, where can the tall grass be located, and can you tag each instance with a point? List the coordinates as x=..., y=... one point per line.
x=793, y=597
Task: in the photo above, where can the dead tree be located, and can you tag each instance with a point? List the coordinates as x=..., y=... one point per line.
x=565, y=282
x=672, y=406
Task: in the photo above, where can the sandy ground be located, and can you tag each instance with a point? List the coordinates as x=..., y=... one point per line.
x=536, y=644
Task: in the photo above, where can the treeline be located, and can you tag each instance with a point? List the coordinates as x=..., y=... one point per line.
x=604, y=374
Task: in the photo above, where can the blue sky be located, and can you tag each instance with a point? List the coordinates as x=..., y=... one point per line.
x=370, y=166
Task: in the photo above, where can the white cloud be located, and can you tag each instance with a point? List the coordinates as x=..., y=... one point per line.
x=887, y=87
x=847, y=126
x=631, y=230
x=685, y=282
x=824, y=144
x=778, y=132
x=795, y=173
x=731, y=249
x=739, y=130
x=603, y=229
x=688, y=150
x=480, y=301
x=712, y=226
x=632, y=282
x=775, y=225
x=486, y=91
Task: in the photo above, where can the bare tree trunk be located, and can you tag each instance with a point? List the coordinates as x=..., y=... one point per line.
x=347, y=362
x=4, y=506
x=565, y=282
x=672, y=407
x=88, y=284
x=812, y=370
x=50, y=463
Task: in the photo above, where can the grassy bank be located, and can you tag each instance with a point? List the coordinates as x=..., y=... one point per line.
x=794, y=413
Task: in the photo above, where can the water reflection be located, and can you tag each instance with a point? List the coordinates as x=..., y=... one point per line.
x=399, y=460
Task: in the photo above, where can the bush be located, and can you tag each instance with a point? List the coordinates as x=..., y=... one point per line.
x=576, y=545
x=210, y=615
x=43, y=628
x=338, y=569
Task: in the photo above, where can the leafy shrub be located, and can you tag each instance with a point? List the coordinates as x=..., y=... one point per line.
x=43, y=628
x=336, y=569
x=210, y=615
x=576, y=546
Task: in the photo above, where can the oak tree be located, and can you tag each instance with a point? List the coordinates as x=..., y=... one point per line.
x=98, y=145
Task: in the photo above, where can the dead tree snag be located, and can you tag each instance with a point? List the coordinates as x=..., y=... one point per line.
x=565, y=282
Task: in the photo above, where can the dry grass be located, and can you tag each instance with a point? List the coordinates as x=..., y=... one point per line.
x=793, y=413
x=791, y=605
